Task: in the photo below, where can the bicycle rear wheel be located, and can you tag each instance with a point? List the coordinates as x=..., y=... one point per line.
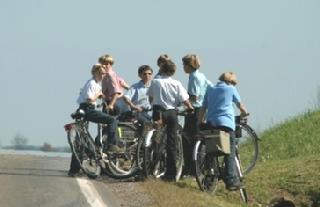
x=248, y=149
x=206, y=167
x=124, y=164
x=84, y=152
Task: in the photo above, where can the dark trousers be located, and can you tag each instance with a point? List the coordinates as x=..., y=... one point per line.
x=74, y=165
x=169, y=118
x=96, y=116
x=190, y=129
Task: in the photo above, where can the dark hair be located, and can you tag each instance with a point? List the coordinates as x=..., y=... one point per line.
x=162, y=59
x=168, y=68
x=144, y=68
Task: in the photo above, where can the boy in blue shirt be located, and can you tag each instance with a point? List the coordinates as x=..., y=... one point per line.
x=218, y=102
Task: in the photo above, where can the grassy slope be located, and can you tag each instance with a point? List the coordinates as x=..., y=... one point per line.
x=289, y=165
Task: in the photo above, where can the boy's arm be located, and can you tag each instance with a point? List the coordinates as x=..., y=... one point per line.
x=201, y=115
x=132, y=106
x=113, y=100
x=242, y=108
x=94, y=98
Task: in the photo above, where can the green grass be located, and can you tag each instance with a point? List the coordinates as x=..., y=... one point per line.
x=289, y=165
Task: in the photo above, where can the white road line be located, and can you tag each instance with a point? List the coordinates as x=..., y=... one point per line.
x=90, y=193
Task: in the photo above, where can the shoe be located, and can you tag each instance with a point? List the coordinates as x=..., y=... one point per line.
x=168, y=179
x=115, y=149
x=235, y=186
x=72, y=174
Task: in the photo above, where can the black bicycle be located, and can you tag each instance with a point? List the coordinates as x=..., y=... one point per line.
x=209, y=165
x=152, y=153
x=89, y=152
x=82, y=145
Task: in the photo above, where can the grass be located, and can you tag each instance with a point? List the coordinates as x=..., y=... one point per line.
x=289, y=166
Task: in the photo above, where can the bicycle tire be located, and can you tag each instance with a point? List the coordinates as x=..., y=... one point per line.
x=206, y=168
x=248, y=148
x=84, y=153
x=124, y=165
x=155, y=158
x=140, y=153
x=179, y=154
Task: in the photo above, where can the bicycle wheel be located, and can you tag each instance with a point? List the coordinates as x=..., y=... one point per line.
x=206, y=167
x=248, y=149
x=179, y=154
x=155, y=155
x=84, y=151
x=140, y=153
x=124, y=165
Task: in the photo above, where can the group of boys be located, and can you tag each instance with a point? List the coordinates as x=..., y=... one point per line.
x=164, y=94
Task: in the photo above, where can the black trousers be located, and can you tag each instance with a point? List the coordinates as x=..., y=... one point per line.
x=190, y=129
x=169, y=118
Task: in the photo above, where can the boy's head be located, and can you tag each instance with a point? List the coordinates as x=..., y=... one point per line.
x=162, y=59
x=106, y=59
x=191, y=60
x=168, y=68
x=98, y=69
x=229, y=78
x=145, y=73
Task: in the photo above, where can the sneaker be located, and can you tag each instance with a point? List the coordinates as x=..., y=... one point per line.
x=115, y=149
x=235, y=186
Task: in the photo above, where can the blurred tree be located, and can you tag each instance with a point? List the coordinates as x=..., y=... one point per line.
x=19, y=141
x=46, y=147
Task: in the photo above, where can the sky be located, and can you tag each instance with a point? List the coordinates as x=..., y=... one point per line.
x=47, y=49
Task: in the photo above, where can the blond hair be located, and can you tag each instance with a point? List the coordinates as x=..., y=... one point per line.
x=97, y=68
x=105, y=59
x=229, y=77
x=192, y=60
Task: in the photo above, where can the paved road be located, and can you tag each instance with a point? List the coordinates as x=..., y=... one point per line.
x=32, y=181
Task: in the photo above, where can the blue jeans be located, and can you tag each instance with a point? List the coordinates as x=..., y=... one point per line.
x=100, y=117
x=231, y=174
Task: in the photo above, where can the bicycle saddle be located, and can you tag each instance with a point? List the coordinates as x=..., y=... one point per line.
x=78, y=114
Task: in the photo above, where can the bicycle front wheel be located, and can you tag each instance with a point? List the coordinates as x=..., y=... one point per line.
x=84, y=152
x=206, y=167
x=179, y=154
x=124, y=164
x=248, y=149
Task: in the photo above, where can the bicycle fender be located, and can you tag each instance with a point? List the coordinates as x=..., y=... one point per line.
x=148, y=139
x=195, y=149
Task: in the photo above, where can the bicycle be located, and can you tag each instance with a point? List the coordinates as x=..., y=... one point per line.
x=90, y=155
x=152, y=152
x=209, y=165
x=82, y=145
x=130, y=132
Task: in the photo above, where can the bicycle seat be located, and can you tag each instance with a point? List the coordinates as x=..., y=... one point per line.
x=78, y=114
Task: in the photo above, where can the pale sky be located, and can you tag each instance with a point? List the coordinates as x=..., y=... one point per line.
x=47, y=49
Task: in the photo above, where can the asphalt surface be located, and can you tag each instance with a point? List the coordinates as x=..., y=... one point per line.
x=32, y=181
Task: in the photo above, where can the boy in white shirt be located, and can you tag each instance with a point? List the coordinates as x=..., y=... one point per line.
x=89, y=94
x=166, y=94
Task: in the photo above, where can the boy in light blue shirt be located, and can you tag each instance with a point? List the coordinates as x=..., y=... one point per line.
x=197, y=87
x=218, y=102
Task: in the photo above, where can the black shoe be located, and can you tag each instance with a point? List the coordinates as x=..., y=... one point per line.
x=235, y=186
x=72, y=174
x=168, y=178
